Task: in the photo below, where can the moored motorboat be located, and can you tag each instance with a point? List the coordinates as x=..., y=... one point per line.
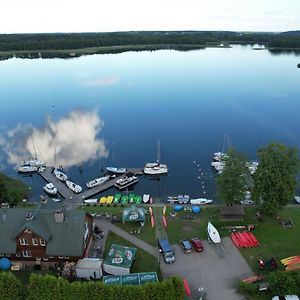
x=116, y=170
x=156, y=168
x=74, y=187
x=213, y=234
x=201, y=201
x=27, y=169
x=50, y=188
x=126, y=182
x=60, y=175
x=97, y=181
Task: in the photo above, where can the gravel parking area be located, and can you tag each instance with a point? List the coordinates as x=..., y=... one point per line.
x=217, y=271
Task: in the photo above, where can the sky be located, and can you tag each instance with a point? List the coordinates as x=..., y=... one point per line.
x=26, y=16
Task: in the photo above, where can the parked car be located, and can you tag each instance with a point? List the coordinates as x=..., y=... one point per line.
x=186, y=245
x=166, y=250
x=197, y=244
x=286, y=297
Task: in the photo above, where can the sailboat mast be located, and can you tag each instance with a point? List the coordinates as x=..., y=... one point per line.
x=35, y=156
x=158, y=150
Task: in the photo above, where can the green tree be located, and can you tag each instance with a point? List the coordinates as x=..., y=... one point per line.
x=232, y=182
x=275, y=179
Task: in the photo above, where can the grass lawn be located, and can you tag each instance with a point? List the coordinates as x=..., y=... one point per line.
x=147, y=233
x=144, y=262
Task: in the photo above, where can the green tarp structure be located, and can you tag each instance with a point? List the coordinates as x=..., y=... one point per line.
x=135, y=278
x=133, y=214
x=119, y=259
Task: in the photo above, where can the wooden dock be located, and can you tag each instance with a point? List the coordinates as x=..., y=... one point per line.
x=74, y=200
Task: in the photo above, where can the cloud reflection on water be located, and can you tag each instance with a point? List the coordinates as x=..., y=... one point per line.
x=70, y=141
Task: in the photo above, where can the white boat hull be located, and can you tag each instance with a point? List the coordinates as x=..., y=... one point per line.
x=155, y=170
x=27, y=169
x=97, y=181
x=146, y=198
x=126, y=182
x=200, y=201
x=297, y=199
x=50, y=189
x=116, y=170
x=60, y=175
x=213, y=234
x=74, y=187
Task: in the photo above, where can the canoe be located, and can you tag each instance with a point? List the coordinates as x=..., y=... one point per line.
x=164, y=210
x=152, y=221
x=117, y=198
x=253, y=279
x=124, y=199
x=151, y=211
x=213, y=233
x=109, y=199
x=102, y=200
x=138, y=199
x=164, y=220
x=186, y=287
x=90, y=201
x=131, y=198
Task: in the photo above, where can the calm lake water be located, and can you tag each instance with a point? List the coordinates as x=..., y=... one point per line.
x=76, y=111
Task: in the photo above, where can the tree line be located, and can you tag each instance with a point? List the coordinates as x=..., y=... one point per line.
x=63, y=41
x=272, y=186
x=51, y=287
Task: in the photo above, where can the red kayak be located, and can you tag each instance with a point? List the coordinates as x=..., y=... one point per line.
x=186, y=287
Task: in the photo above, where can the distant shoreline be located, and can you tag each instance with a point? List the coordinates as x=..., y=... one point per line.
x=72, y=53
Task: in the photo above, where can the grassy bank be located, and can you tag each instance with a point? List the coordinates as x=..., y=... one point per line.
x=12, y=190
x=147, y=233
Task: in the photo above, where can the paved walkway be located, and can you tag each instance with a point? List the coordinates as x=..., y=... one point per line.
x=108, y=226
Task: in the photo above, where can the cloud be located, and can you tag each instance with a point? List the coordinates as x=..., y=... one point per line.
x=70, y=141
x=101, y=81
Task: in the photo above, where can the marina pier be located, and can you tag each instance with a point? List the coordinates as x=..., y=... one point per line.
x=72, y=199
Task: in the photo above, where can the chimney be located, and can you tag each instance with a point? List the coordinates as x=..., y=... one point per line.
x=29, y=216
x=59, y=216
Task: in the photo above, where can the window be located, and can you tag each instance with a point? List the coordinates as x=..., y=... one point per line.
x=61, y=257
x=67, y=257
x=18, y=254
x=7, y=255
x=51, y=256
x=42, y=242
x=28, y=231
x=45, y=258
x=26, y=253
x=35, y=242
x=23, y=242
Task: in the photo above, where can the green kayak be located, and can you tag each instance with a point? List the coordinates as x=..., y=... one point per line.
x=138, y=199
x=124, y=199
x=131, y=198
x=117, y=198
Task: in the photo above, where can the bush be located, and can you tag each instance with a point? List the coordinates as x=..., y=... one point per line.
x=282, y=283
x=246, y=288
x=10, y=287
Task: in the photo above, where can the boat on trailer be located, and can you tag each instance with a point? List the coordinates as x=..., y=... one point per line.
x=213, y=233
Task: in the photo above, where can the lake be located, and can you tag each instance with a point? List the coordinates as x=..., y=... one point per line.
x=100, y=110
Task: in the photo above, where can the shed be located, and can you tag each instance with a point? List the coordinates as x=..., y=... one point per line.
x=89, y=268
x=119, y=259
x=228, y=213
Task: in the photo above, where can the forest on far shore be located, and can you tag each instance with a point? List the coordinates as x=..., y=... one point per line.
x=64, y=41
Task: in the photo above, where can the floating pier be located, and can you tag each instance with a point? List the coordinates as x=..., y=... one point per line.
x=72, y=199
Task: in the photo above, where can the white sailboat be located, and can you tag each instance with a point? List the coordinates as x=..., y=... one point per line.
x=213, y=234
x=60, y=175
x=156, y=168
x=27, y=169
x=74, y=187
x=97, y=181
